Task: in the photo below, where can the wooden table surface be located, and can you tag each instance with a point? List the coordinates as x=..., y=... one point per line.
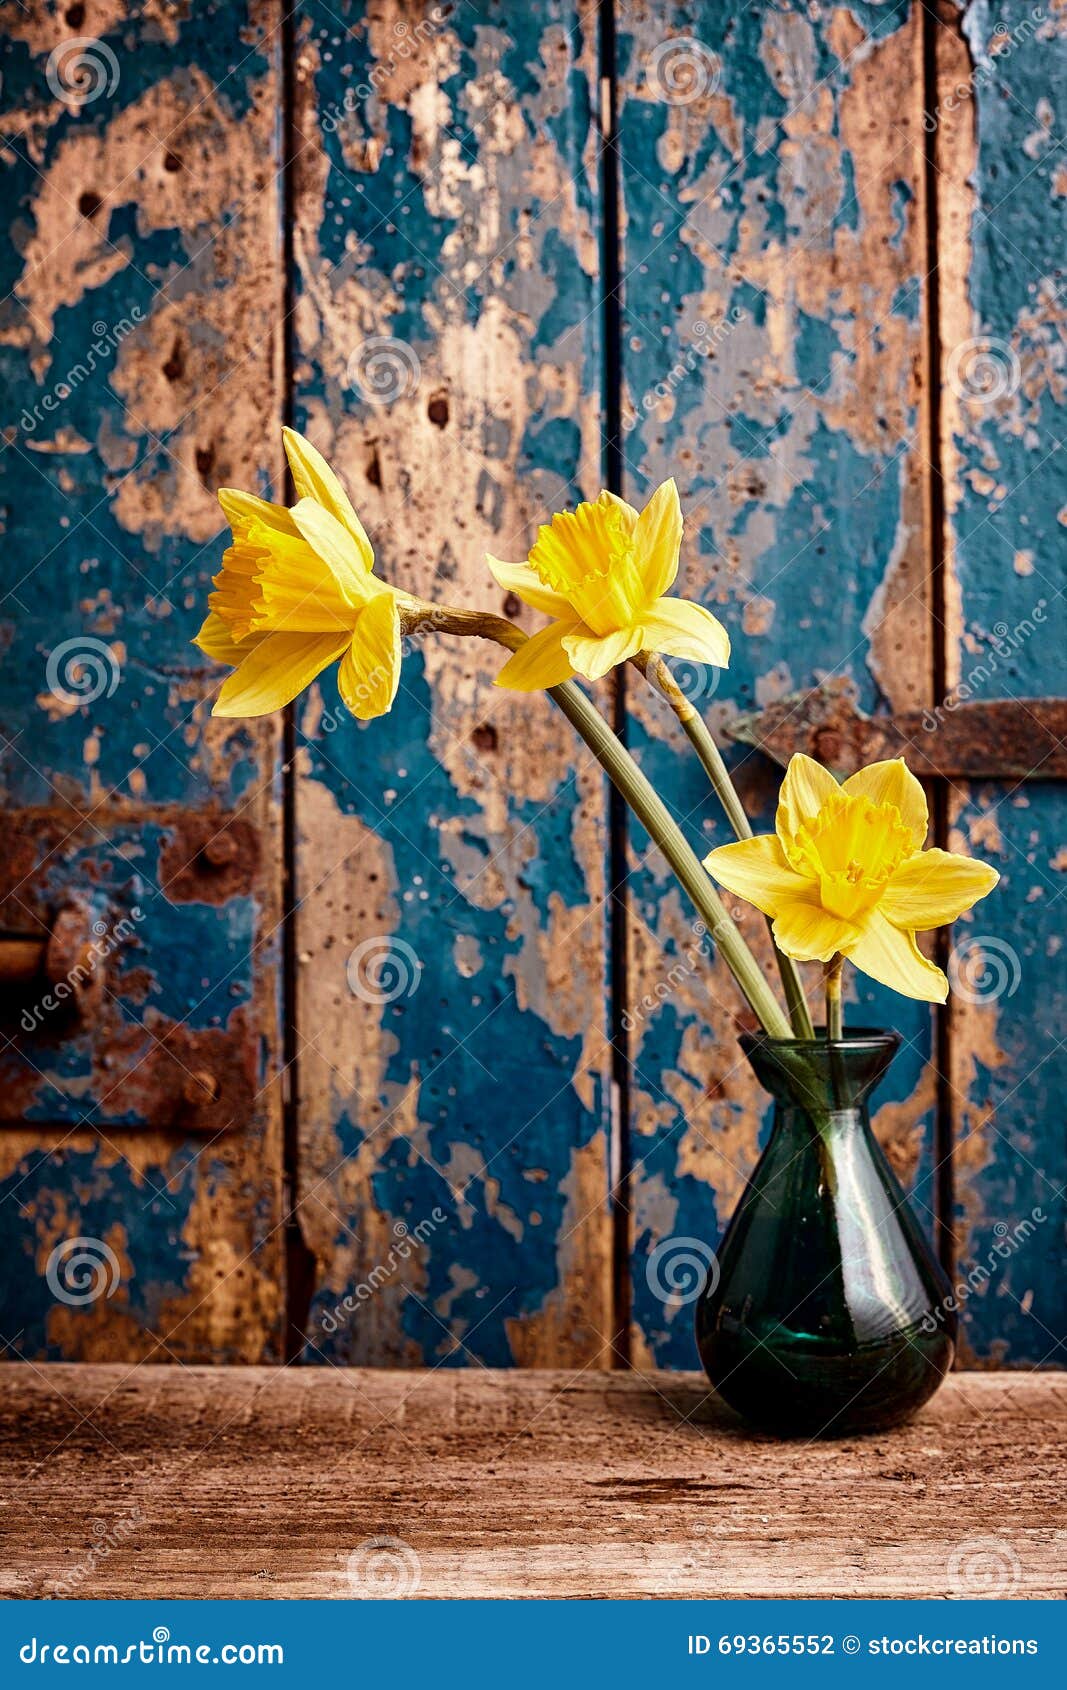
x=252, y=1482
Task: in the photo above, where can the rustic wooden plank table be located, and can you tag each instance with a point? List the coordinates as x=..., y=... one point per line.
x=171, y=1481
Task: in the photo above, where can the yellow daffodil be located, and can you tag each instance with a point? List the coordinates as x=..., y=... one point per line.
x=297, y=591
x=601, y=572
x=845, y=872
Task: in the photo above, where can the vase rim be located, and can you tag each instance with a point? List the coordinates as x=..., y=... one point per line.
x=853, y=1039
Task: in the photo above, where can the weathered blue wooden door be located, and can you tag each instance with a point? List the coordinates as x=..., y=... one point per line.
x=372, y=1052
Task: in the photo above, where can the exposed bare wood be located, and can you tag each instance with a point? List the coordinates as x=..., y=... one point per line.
x=261, y=1482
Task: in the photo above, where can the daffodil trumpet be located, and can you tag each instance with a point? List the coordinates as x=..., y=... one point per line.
x=297, y=592
x=602, y=573
x=845, y=873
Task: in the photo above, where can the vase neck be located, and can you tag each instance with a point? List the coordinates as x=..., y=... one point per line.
x=820, y=1076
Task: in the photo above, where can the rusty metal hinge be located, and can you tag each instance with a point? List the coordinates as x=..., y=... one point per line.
x=98, y=915
x=1005, y=739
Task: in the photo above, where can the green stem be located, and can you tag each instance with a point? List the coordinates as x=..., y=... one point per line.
x=659, y=676
x=835, y=1020
x=639, y=794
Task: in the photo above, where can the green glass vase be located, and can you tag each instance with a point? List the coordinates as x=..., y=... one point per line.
x=825, y=1311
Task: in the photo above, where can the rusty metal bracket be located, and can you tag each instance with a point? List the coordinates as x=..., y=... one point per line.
x=1005, y=739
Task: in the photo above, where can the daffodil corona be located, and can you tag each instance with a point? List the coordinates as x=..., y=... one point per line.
x=296, y=592
x=845, y=874
x=602, y=572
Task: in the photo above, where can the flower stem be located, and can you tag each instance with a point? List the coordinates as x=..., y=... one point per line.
x=835, y=1020
x=639, y=794
x=659, y=676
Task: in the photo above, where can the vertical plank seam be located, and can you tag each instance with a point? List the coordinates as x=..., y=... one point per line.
x=299, y=1286
x=618, y=820
x=945, y=1183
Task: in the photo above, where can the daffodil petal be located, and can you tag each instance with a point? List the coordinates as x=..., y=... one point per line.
x=540, y=662
x=892, y=782
x=275, y=670
x=893, y=958
x=370, y=669
x=808, y=933
x=240, y=509
x=593, y=655
x=934, y=887
x=314, y=479
x=526, y=584
x=659, y=541
x=805, y=789
x=680, y=629
x=757, y=870
x=626, y=511
x=216, y=641
x=332, y=542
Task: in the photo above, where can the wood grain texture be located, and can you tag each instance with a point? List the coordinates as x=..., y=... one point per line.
x=452, y=929
x=773, y=335
x=275, y=1483
x=1001, y=188
x=139, y=329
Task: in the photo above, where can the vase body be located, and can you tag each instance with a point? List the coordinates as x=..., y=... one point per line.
x=825, y=1311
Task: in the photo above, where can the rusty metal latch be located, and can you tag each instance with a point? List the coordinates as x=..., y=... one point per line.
x=63, y=955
